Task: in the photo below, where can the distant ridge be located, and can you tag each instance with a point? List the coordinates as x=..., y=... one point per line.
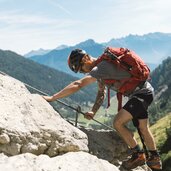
x=58, y=58
x=152, y=47
x=43, y=51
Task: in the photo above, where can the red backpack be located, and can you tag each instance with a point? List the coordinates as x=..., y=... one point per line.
x=129, y=61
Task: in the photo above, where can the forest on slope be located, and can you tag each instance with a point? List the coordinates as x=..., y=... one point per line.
x=44, y=78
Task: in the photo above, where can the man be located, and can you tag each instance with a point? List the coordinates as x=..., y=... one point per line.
x=136, y=107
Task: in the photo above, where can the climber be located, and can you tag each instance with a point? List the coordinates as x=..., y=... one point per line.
x=119, y=76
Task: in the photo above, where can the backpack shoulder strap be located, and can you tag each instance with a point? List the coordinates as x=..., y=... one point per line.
x=114, y=55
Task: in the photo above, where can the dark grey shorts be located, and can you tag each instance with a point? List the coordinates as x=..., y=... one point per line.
x=137, y=106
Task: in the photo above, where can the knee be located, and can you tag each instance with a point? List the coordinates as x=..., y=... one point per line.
x=121, y=119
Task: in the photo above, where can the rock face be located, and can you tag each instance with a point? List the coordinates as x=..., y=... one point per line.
x=72, y=161
x=106, y=145
x=29, y=124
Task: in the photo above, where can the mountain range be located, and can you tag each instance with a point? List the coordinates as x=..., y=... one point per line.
x=42, y=51
x=152, y=47
x=162, y=85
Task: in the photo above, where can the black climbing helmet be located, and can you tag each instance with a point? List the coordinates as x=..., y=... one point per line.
x=75, y=58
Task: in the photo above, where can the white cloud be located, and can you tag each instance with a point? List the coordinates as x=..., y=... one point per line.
x=54, y=3
x=22, y=33
x=14, y=17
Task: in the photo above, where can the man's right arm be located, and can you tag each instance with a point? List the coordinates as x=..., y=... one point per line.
x=71, y=88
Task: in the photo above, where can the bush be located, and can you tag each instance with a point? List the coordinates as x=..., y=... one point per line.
x=166, y=160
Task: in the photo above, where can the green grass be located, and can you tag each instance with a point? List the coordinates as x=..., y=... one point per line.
x=159, y=129
x=166, y=161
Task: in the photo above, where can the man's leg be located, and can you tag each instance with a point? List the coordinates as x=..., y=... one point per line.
x=119, y=123
x=154, y=161
x=137, y=157
x=147, y=135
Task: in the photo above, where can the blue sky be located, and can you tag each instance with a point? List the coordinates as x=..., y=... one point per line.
x=33, y=24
